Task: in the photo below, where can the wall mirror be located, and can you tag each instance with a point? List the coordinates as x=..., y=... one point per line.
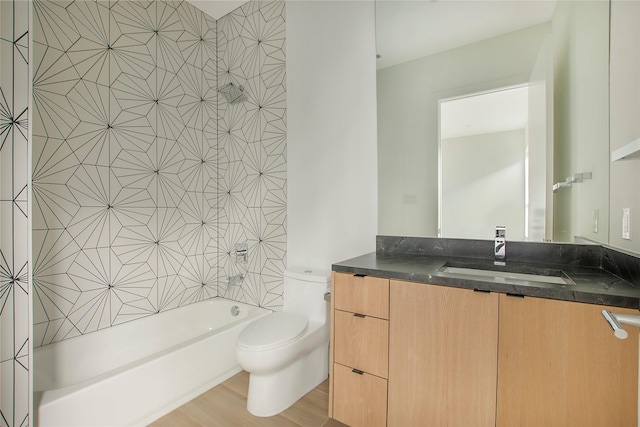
x=436, y=51
x=484, y=143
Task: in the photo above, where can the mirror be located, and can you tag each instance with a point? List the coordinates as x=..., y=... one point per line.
x=433, y=51
x=625, y=124
x=484, y=143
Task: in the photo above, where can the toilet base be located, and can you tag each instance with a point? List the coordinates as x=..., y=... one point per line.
x=272, y=393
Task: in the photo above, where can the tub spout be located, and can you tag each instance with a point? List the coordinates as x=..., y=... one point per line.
x=232, y=280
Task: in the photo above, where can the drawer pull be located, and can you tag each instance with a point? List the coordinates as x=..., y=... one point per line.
x=362, y=316
x=515, y=295
x=357, y=371
x=359, y=275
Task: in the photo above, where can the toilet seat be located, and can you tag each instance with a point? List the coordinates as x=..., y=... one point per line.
x=272, y=331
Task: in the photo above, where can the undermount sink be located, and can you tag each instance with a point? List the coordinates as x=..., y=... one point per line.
x=553, y=276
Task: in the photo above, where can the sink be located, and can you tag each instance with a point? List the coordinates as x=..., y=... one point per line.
x=551, y=276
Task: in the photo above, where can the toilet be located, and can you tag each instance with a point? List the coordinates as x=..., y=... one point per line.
x=287, y=353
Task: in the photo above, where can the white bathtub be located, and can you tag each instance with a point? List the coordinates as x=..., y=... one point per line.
x=132, y=374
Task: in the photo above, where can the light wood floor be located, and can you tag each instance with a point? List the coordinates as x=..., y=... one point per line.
x=226, y=406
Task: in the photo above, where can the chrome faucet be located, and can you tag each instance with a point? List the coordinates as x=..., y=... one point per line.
x=500, y=243
x=232, y=280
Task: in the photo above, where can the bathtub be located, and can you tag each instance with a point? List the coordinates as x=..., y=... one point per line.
x=134, y=373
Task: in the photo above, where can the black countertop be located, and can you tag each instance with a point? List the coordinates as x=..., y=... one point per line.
x=592, y=285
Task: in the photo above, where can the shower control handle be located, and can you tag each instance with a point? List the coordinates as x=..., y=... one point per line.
x=242, y=253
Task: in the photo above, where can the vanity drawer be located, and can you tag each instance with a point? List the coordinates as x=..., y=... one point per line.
x=362, y=342
x=360, y=398
x=361, y=294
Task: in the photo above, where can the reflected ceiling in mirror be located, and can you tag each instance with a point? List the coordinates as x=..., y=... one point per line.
x=408, y=30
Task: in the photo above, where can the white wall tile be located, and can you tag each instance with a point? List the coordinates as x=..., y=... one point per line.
x=153, y=176
x=15, y=259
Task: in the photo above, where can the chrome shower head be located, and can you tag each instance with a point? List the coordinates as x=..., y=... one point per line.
x=233, y=93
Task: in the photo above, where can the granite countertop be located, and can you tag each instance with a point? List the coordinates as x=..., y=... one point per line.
x=590, y=284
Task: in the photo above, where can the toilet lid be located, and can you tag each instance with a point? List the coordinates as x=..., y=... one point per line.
x=272, y=330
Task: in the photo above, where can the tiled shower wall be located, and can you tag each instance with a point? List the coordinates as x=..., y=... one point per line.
x=14, y=220
x=144, y=179
x=252, y=163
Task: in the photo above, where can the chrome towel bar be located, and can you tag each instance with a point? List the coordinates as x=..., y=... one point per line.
x=616, y=321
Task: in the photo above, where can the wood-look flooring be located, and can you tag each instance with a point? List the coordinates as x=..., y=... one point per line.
x=226, y=406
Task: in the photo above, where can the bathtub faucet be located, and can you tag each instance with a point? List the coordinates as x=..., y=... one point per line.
x=232, y=280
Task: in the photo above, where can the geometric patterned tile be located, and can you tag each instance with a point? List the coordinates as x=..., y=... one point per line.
x=90, y=54
x=252, y=142
x=53, y=26
x=15, y=224
x=144, y=178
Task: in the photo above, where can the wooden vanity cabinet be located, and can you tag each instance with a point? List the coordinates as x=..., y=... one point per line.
x=559, y=364
x=359, y=351
x=442, y=356
x=457, y=357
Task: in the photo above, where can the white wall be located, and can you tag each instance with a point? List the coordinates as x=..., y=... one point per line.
x=331, y=124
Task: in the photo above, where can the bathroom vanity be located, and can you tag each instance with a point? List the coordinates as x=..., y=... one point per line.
x=413, y=344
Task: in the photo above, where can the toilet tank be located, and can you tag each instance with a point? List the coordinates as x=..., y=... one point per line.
x=304, y=290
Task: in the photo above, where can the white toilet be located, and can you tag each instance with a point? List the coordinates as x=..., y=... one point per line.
x=287, y=353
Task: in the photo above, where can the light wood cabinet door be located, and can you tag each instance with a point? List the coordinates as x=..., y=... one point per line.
x=362, y=343
x=442, y=356
x=363, y=398
x=560, y=365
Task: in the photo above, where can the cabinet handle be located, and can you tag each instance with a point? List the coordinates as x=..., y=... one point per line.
x=359, y=275
x=362, y=316
x=357, y=371
x=515, y=295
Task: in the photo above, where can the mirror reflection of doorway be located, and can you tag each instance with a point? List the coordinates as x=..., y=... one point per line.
x=486, y=146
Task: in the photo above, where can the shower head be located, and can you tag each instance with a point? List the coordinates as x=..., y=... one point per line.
x=233, y=93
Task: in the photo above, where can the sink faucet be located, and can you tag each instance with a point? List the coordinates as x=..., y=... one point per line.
x=500, y=243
